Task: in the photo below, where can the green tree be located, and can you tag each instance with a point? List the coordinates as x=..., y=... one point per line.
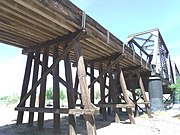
x=49, y=93
x=10, y=100
x=138, y=92
x=62, y=95
x=175, y=87
x=97, y=94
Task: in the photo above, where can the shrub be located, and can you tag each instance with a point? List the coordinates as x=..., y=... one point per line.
x=49, y=94
x=97, y=94
x=175, y=87
x=10, y=100
x=62, y=95
x=138, y=92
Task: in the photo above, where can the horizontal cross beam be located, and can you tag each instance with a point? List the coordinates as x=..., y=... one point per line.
x=78, y=37
x=58, y=111
x=48, y=43
x=139, y=47
x=107, y=69
x=114, y=105
x=108, y=58
x=60, y=79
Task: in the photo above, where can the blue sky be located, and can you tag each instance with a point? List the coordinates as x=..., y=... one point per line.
x=120, y=17
x=126, y=17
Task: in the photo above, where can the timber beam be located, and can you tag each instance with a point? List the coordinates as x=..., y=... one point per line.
x=85, y=95
x=59, y=110
x=107, y=87
x=61, y=80
x=108, y=58
x=114, y=105
x=78, y=37
x=25, y=86
x=121, y=56
x=57, y=40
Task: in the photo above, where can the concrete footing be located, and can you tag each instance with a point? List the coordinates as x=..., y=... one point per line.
x=156, y=94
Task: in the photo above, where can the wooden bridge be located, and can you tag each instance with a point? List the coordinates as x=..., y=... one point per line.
x=59, y=29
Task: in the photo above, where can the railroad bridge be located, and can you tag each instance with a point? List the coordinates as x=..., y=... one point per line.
x=59, y=30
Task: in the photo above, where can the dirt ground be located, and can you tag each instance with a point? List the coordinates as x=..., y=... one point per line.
x=162, y=123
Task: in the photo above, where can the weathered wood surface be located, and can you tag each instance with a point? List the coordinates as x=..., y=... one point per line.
x=56, y=98
x=29, y=24
x=114, y=105
x=79, y=36
x=58, y=111
x=43, y=88
x=35, y=78
x=144, y=95
x=85, y=94
x=143, y=102
x=125, y=94
x=25, y=85
x=70, y=94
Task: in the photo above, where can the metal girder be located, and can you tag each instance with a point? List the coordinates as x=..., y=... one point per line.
x=152, y=44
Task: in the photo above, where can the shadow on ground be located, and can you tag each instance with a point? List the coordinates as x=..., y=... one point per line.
x=23, y=129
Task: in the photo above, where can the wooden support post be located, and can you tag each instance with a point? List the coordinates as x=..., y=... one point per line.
x=43, y=89
x=56, y=102
x=25, y=86
x=118, y=88
x=91, y=80
x=92, y=83
x=144, y=94
x=114, y=96
x=70, y=94
x=60, y=79
x=76, y=87
x=133, y=94
x=109, y=94
x=102, y=91
x=125, y=93
x=34, y=79
x=120, y=56
x=75, y=111
x=90, y=121
x=109, y=99
x=70, y=44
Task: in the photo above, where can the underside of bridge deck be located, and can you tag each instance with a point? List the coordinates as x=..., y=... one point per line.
x=60, y=30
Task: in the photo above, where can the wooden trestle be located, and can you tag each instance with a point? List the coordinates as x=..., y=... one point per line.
x=59, y=29
x=117, y=87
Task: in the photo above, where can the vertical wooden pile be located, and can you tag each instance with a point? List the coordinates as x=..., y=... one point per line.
x=136, y=76
x=114, y=93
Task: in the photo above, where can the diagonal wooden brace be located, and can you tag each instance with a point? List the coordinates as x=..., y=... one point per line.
x=82, y=33
x=107, y=69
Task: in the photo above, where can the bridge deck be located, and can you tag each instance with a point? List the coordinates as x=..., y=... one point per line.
x=30, y=23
